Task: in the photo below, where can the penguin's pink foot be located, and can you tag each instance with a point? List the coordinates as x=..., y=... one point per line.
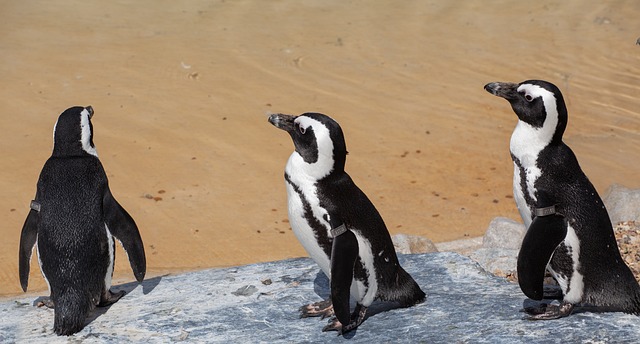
x=323, y=309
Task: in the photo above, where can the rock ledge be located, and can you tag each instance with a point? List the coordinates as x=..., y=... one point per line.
x=259, y=302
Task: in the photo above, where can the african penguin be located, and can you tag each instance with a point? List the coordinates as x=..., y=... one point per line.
x=338, y=225
x=72, y=222
x=569, y=230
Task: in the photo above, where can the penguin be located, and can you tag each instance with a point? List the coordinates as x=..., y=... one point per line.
x=338, y=226
x=569, y=233
x=73, y=222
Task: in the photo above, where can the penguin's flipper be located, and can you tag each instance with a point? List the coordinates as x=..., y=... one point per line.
x=123, y=227
x=28, y=239
x=344, y=253
x=542, y=238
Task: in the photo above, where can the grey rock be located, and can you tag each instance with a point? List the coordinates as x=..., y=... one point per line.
x=462, y=246
x=504, y=233
x=623, y=204
x=406, y=243
x=246, y=290
x=464, y=304
x=498, y=261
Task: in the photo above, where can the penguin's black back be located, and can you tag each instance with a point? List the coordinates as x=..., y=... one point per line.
x=607, y=279
x=72, y=240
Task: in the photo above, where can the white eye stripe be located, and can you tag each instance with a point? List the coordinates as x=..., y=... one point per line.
x=85, y=132
x=302, y=127
x=324, y=165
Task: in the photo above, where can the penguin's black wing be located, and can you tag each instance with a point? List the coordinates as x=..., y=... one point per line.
x=122, y=226
x=344, y=253
x=28, y=239
x=543, y=236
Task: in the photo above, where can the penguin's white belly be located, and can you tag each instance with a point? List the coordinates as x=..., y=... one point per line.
x=572, y=286
x=365, y=294
x=111, y=245
x=304, y=232
x=518, y=195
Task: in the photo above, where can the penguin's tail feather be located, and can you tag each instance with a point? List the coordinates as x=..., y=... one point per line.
x=619, y=295
x=70, y=313
x=404, y=290
x=634, y=305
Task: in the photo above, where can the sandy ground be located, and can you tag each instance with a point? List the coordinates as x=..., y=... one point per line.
x=182, y=91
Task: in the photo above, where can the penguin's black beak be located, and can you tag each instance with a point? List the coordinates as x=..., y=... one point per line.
x=90, y=110
x=506, y=90
x=282, y=121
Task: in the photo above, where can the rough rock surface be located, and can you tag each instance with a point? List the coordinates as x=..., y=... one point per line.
x=259, y=303
x=462, y=246
x=628, y=237
x=497, y=251
x=498, y=261
x=623, y=204
x=504, y=233
x=406, y=243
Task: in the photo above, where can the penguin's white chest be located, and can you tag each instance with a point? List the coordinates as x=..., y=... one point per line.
x=299, y=218
x=111, y=247
x=572, y=285
x=527, y=188
x=525, y=146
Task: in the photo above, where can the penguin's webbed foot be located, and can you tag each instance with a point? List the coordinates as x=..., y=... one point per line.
x=356, y=319
x=549, y=311
x=44, y=301
x=108, y=298
x=323, y=309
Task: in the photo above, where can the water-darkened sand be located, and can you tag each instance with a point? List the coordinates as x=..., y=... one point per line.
x=182, y=92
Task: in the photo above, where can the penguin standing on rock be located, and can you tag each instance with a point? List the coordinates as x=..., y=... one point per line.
x=569, y=232
x=72, y=222
x=339, y=226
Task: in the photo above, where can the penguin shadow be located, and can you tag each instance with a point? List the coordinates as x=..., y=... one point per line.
x=148, y=285
x=322, y=287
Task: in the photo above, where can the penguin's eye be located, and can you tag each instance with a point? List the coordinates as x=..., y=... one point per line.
x=528, y=97
x=302, y=130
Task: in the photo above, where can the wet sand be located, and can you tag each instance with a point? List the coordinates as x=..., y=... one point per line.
x=182, y=92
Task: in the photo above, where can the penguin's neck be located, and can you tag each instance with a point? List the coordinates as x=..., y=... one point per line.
x=527, y=142
x=71, y=148
x=302, y=172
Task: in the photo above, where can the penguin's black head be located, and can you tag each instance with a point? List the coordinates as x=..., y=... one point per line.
x=318, y=140
x=537, y=103
x=73, y=132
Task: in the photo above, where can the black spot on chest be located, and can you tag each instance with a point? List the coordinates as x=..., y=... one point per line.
x=523, y=181
x=319, y=230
